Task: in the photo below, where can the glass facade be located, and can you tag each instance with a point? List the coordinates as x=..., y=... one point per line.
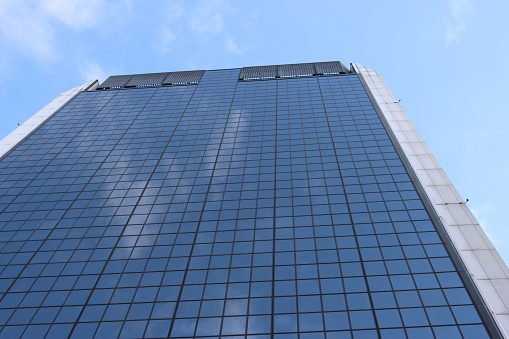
x=259, y=209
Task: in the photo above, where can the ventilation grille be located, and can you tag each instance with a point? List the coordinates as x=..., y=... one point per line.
x=296, y=70
x=293, y=70
x=332, y=67
x=258, y=72
x=143, y=80
x=152, y=79
x=116, y=81
x=246, y=73
x=183, y=78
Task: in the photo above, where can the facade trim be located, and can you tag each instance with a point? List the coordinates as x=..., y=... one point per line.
x=482, y=261
x=27, y=128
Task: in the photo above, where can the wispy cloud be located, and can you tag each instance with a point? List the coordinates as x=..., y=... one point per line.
x=233, y=47
x=91, y=70
x=32, y=26
x=76, y=14
x=204, y=19
x=457, y=25
x=25, y=28
x=166, y=37
x=174, y=10
x=207, y=17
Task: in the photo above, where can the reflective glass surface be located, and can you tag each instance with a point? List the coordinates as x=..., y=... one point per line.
x=227, y=209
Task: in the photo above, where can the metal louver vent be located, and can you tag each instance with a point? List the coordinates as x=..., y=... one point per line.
x=116, y=81
x=152, y=79
x=331, y=67
x=182, y=78
x=258, y=72
x=296, y=70
x=293, y=70
x=246, y=73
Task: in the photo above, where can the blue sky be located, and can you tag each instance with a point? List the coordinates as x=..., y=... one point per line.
x=447, y=60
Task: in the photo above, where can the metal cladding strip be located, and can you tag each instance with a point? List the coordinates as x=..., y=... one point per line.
x=32, y=124
x=487, y=269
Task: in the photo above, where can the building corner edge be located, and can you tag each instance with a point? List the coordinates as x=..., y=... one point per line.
x=27, y=128
x=484, y=265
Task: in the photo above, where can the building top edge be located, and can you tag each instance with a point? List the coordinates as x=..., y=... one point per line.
x=246, y=73
x=227, y=69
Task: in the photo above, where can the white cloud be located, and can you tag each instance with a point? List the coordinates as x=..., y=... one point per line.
x=459, y=10
x=166, y=37
x=30, y=26
x=174, y=10
x=26, y=28
x=207, y=18
x=233, y=47
x=76, y=14
x=91, y=70
x=205, y=24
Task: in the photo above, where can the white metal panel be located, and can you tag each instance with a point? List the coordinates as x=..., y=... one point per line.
x=28, y=127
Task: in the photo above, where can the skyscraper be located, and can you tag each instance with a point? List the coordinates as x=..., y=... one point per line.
x=286, y=201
